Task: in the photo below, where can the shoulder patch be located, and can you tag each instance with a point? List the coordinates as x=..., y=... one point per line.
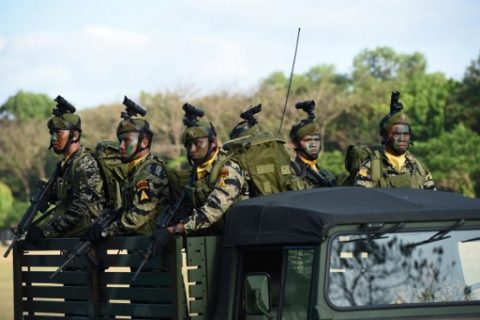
x=141, y=185
x=224, y=172
x=143, y=192
x=363, y=172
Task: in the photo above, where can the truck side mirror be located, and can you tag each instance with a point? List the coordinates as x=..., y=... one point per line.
x=256, y=294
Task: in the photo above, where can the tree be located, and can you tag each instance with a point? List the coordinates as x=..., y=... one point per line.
x=454, y=159
x=466, y=101
x=6, y=202
x=426, y=99
x=23, y=154
x=26, y=105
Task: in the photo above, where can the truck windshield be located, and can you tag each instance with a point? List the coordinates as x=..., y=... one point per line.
x=404, y=268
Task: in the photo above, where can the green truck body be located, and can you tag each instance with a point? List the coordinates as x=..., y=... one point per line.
x=339, y=253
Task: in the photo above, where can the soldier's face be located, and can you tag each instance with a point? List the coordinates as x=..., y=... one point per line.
x=399, y=138
x=59, y=139
x=311, y=145
x=128, y=144
x=197, y=149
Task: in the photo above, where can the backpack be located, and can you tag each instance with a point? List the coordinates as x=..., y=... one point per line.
x=112, y=169
x=356, y=155
x=266, y=160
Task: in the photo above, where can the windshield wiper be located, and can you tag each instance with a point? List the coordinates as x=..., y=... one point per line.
x=379, y=235
x=471, y=240
x=440, y=235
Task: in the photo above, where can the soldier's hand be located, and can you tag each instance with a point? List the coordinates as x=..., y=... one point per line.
x=93, y=234
x=161, y=237
x=34, y=235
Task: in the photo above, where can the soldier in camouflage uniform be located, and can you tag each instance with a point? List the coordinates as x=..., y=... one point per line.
x=394, y=166
x=145, y=191
x=78, y=197
x=217, y=182
x=305, y=137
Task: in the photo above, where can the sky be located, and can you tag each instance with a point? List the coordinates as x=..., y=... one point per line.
x=94, y=52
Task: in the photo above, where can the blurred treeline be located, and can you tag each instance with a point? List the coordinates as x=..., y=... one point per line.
x=445, y=117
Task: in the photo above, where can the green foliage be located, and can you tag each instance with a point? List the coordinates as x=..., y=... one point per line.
x=10, y=210
x=454, y=159
x=466, y=101
x=6, y=202
x=425, y=100
x=26, y=105
x=333, y=161
x=445, y=116
x=384, y=64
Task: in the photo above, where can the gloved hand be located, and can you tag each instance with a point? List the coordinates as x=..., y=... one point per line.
x=93, y=234
x=160, y=238
x=34, y=235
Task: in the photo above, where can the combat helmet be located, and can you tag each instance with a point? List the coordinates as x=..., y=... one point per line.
x=194, y=127
x=249, y=126
x=131, y=124
x=306, y=126
x=395, y=116
x=64, y=117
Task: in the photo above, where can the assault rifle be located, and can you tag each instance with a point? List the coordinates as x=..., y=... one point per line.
x=163, y=221
x=39, y=201
x=84, y=247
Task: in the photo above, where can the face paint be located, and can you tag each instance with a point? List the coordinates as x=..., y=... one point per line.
x=310, y=144
x=399, y=138
x=128, y=144
x=58, y=139
x=197, y=149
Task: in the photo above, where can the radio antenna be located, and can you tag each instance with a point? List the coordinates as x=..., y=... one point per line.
x=289, y=82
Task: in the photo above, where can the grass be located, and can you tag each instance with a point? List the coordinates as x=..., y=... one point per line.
x=6, y=286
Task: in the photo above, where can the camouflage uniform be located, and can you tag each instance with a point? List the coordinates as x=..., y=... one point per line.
x=314, y=178
x=413, y=174
x=212, y=200
x=79, y=197
x=145, y=194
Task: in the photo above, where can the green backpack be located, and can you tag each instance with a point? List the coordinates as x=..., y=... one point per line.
x=266, y=160
x=112, y=169
x=358, y=154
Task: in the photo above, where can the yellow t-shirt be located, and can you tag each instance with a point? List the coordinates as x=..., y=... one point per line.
x=396, y=161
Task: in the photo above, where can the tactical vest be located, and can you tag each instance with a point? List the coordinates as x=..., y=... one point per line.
x=198, y=191
x=64, y=190
x=357, y=155
x=314, y=179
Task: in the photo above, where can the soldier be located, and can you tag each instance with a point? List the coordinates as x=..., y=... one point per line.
x=305, y=137
x=394, y=166
x=145, y=192
x=217, y=182
x=79, y=197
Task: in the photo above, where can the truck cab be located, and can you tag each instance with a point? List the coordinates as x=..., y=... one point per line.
x=351, y=253
x=333, y=253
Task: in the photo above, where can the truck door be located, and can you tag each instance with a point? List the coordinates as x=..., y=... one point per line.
x=276, y=283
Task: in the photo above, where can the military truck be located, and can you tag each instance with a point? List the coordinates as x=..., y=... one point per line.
x=338, y=253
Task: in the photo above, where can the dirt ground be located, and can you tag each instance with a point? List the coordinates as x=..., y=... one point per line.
x=6, y=286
